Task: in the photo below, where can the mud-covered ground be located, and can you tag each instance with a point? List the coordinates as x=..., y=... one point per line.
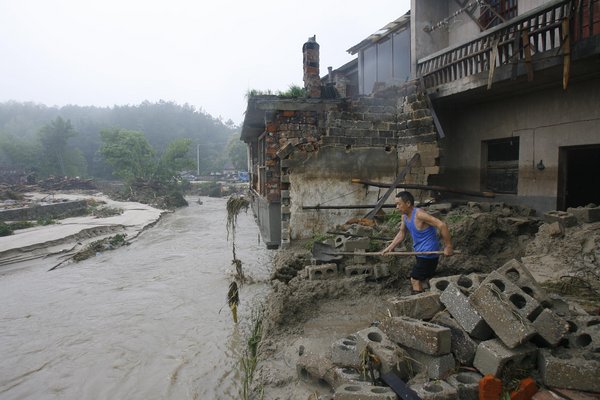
x=303, y=316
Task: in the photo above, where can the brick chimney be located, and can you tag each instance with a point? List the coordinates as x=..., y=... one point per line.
x=312, y=81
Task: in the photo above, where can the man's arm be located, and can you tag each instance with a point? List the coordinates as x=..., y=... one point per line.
x=397, y=239
x=441, y=226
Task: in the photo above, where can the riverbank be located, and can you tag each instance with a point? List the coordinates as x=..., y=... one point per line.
x=59, y=241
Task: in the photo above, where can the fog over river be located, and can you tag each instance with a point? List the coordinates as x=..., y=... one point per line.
x=140, y=322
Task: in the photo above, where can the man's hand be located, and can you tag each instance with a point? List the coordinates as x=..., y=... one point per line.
x=448, y=250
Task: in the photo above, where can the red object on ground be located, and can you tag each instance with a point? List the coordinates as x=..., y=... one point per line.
x=490, y=388
x=527, y=388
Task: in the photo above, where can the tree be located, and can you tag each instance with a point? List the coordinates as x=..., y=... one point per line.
x=129, y=153
x=54, y=137
x=133, y=159
x=18, y=153
x=237, y=152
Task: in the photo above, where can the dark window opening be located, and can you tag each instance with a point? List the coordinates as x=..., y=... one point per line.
x=502, y=165
x=494, y=12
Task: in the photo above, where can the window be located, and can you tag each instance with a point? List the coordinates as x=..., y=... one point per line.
x=494, y=12
x=502, y=165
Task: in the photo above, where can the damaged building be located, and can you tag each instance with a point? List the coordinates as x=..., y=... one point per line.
x=500, y=96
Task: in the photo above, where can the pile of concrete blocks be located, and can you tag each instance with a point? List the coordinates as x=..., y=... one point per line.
x=442, y=342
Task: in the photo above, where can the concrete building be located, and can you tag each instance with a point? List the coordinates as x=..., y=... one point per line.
x=500, y=95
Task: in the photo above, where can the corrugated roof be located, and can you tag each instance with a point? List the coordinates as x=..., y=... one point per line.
x=381, y=33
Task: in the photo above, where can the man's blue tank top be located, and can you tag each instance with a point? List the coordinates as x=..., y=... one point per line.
x=424, y=240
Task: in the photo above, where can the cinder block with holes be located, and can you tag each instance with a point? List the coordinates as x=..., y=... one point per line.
x=518, y=274
x=392, y=357
x=437, y=390
x=493, y=357
x=501, y=315
x=466, y=384
x=463, y=346
x=585, y=333
x=550, y=327
x=564, y=218
x=526, y=306
x=363, y=391
x=321, y=272
x=467, y=283
x=318, y=368
x=419, y=306
x=359, y=269
x=435, y=367
x=570, y=369
x=419, y=335
x=345, y=353
x=458, y=305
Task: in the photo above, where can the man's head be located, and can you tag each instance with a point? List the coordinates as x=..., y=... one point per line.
x=404, y=201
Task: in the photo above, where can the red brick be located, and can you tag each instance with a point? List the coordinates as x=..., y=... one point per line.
x=288, y=113
x=527, y=388
x=490, y=388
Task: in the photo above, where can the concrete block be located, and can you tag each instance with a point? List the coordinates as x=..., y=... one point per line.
x=518, y=274
x=570, y=369
x=467, y=283
x=501, y=315
x=356, y=244
x=359, y=257
x=438, y=390
x=526, y=306
x=362, y=391
x=466, y=384
x=462, y=345
x=317, y=369
x=443, y=207
x=345, y=353
x=381, y=271
x=550, y=327
x=564, y=218
x=418, y=306
x=419, y=335
x=321, y=272
x=585, y=333
x=359, y=269
x=285, y=194
x=435, y=367
x=585, y=214
x=493, y=357
x=392, y=357
x=458, y=305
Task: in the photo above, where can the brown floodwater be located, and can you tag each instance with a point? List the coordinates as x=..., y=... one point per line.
x=146, y=321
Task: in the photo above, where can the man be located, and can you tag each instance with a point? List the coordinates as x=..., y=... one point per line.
x=423, y=228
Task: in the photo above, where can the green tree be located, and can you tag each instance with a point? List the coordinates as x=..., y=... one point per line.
x=21, y=154
x=133, y=159
x=237, y=152
x=129, y=153
x=54, y=137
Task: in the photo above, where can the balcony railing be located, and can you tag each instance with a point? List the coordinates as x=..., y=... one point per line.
x=515, y=41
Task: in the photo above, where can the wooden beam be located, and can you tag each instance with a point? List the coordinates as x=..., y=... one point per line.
x=566, y=52
x=427, y=187
x=371, y=214
x=527, y=51
x=493, y=57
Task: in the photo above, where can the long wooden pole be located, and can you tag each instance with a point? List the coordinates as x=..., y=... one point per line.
x=425, y=187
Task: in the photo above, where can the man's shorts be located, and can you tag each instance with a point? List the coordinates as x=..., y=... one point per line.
x=424, y=268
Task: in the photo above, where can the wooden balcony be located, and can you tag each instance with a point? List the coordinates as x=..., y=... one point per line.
x=546, y=32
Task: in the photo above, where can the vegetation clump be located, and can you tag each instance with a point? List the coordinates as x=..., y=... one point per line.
x=109, y=243
x=5, y=229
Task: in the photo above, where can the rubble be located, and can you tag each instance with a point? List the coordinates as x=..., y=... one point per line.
x=489, y=312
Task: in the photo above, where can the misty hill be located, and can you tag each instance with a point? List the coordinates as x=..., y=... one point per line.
x=161, y=122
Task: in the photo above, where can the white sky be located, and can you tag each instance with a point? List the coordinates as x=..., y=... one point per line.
x=205, y=53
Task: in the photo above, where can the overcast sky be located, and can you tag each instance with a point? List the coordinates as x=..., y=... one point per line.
x=205, y=53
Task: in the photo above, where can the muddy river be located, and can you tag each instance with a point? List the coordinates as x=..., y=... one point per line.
x=147, y=321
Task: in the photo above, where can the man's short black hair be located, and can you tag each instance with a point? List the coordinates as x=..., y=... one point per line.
x=406, y=197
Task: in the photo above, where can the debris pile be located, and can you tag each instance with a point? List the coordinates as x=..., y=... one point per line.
x=502, y=325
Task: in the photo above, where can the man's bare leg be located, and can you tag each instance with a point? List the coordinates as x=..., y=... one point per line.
x=417, y=285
